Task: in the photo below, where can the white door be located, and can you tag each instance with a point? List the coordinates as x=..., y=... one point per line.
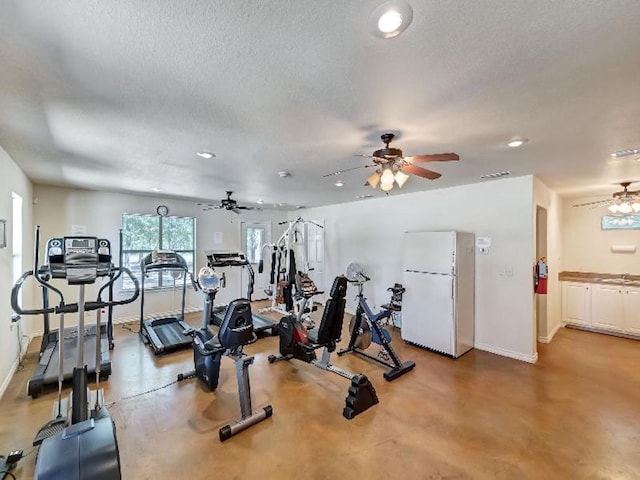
x=315, y=253
x=576, y=303
x=631, y=310
x=606, y=307
x=427, y=311
x=254, y=236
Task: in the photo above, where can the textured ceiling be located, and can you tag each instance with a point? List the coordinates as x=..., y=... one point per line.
x=120, y=95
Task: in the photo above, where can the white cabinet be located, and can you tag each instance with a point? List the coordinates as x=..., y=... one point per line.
x=576, y=303
x=631, y=310
x=602, y=306
x=606, y=306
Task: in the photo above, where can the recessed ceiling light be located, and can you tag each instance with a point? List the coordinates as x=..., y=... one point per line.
x=390, y=19
x=206, y=154
x=284, y=174
x=495, y=175
x=156, y=189
x=517, y=142
x=366, y=195
x=260, y=202
x=339, y=183
x=626, y=152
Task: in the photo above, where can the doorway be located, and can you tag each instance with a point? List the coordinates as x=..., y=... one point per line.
x=541, y=251
x=254, y=236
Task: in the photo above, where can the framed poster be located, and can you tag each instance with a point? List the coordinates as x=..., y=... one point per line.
x=620, y=222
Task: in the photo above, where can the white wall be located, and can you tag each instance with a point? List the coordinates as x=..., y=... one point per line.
x=101, y=212
x=371, y=231
x=588, y=248
x=12, y=180
x=552, y=202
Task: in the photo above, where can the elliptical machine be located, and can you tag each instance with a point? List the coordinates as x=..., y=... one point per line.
x=80, y=441
x=236, y=331
x=300, y=343
x=366, y=327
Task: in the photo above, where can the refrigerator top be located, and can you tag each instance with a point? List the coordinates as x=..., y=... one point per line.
x=429, y=252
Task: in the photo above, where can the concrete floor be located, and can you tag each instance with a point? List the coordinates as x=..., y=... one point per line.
x=575, y=414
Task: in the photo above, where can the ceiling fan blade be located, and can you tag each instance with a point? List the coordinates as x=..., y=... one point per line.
x=338, y=172
x=435, y=157
x=596, y=203
x=419, y=171
x=235, y=210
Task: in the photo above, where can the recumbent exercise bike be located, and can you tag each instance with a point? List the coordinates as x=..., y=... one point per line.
x=236, y=331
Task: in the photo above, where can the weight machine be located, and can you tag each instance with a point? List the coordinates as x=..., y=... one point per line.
x=282, y=278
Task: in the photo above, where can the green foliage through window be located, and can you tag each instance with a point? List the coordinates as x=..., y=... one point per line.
x=143, y=233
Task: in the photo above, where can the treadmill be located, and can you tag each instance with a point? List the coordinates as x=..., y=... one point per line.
x=46, y=371
x=236, y=259
x=164, y=334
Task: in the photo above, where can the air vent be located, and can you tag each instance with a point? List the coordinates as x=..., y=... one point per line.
x=495, y=175
x=625, y=153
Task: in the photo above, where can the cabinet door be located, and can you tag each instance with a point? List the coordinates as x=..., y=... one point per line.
x=631, y=310
x=576, y=303
x=606, y=307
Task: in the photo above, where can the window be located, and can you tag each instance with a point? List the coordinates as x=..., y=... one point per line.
x=143, y=233
x=255, y=238
x=16, y=237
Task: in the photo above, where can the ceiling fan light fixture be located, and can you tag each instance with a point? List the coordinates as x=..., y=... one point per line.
x=636, y=206
x=385, y=187
x=387, y=177
x=613, y=208
x=401, y=178
x=373, y=179
x=624, y=207
x=390, y=19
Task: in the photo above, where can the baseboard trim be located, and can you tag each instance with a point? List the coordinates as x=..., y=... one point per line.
x=548, y=338
x=16, y=362
x=507, y=353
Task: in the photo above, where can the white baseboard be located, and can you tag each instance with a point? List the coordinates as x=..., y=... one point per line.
x=507, y=353
x=25, y=345
x=548, y=338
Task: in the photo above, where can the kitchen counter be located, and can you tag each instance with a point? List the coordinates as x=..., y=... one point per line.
x=603, y=278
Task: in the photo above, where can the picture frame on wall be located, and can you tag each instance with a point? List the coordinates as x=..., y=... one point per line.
x=620, y=222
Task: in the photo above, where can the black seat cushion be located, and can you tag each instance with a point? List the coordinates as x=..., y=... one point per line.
x=236, y=329
x=331, y=324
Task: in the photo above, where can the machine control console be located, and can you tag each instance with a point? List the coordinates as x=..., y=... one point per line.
x=79, y=259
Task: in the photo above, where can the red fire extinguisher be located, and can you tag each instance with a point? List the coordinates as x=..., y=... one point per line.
x=540, y=276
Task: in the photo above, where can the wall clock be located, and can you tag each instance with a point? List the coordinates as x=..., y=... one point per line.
x=162, y=210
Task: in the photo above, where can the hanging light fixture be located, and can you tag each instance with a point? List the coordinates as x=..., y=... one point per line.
x=401, y=177
x=374, y=179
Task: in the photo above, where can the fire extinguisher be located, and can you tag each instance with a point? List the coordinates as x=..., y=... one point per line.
x=540, y=276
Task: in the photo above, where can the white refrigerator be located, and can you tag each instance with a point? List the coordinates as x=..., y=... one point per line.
x=439, y=278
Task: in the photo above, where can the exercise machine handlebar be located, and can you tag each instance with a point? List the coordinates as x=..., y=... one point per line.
x=73, y=307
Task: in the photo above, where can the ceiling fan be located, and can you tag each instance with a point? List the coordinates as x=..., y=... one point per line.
x=624, y=202
x=226, y=204
x=391, y=165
